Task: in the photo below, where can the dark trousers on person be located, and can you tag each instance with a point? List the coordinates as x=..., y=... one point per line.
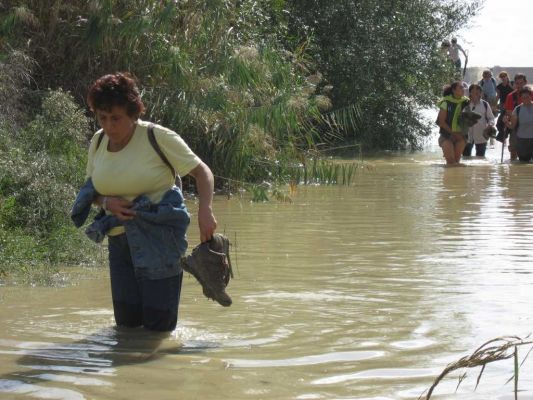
x=137, y=301
x=524, y=148
x=481, y=148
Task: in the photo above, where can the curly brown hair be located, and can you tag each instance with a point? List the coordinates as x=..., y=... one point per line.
x=118, y=89
x=448, y=89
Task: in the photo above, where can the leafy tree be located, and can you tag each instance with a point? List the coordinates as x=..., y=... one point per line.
x=383, y=56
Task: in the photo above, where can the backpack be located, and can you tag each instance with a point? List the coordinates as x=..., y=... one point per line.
x=486, y=104
x=482, y=82
x=155, y=146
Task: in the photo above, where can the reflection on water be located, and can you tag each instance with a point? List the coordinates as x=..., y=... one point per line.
x=362, y=292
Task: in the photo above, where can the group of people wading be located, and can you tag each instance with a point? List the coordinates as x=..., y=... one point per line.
x=511, y=101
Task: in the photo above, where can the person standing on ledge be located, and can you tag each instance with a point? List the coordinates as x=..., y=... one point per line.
x=453, y=52
x=123, y=166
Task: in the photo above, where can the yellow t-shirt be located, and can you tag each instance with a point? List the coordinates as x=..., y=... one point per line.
x=137, y=169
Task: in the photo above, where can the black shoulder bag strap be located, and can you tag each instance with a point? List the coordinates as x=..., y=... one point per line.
x=155, y=145
x=153, y=142
x=518, y=108
x=99, y=140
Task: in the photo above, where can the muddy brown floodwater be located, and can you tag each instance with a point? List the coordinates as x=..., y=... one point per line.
x=359, y=292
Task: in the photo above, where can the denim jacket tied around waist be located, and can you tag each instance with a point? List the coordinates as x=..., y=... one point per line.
x=156, y=236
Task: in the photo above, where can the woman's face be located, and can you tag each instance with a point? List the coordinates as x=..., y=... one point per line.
x=505, y=79
x=116, y=123
x=519, y=83
x=459, y=91
x=526, y=98
x=475, y=94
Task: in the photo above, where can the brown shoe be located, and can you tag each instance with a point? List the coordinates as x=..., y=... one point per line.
x=210, y=264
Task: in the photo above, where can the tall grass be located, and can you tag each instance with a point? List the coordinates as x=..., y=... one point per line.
x=216, y=72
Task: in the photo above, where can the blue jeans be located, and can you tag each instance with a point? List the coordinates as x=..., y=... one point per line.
x=138, y=301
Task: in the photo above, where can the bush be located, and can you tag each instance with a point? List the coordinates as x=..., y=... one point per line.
x=60, y=131
x=15, y=76
x=36, y=199
x=41, y=169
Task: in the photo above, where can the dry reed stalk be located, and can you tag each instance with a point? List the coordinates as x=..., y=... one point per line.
x=497, y=349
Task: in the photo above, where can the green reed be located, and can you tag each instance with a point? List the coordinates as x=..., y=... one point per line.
x=327, y=172
x=498, y=349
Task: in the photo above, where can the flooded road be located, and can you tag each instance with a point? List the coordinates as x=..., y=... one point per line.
x=359, y=292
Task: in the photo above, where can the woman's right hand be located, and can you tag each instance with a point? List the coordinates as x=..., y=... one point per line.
x=119, y=207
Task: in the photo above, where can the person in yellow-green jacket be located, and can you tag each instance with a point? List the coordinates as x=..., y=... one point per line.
x=452, y=140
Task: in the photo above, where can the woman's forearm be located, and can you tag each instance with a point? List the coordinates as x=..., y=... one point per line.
x=205, y=186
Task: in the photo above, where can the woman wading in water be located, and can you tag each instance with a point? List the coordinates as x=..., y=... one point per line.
x=452, y=140
x=130, y=178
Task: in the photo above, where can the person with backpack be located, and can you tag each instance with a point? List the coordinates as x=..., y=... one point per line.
x=521, y=122
x=513, y=99
x=476, y=133
x=451, y=139
x=489, y=88
x=503, y=89
x=130, y=175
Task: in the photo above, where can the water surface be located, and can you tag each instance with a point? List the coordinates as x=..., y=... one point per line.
x=360, y=292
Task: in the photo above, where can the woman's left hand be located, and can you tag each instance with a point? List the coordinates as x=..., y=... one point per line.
x=207, y=224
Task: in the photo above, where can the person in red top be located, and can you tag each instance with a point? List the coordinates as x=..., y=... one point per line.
x=513, y=99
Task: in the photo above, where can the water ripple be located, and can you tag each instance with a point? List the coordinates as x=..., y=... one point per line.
x=306, y=360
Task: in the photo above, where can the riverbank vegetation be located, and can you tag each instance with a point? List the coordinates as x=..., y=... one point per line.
x=253, y=86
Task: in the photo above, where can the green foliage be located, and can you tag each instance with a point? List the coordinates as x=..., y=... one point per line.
x=41, y=168
x=60, y=129
x=328, y=172
x=15, y=76
x=36, y=197
x=215, y=72
x=212, y=69
x=383, y=56
x=258, y=193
